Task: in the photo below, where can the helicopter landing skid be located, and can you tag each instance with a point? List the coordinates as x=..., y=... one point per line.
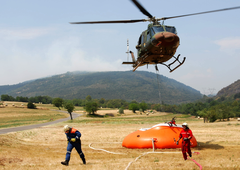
x=139, y=62
x=176, y=59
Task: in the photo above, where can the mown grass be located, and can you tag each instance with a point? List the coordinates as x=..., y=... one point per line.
x=137, y=119
x=14, y=116
x=18, y=115
x=45, y=106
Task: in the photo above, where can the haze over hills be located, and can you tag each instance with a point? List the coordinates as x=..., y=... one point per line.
x=230, y=90
x=127, y=85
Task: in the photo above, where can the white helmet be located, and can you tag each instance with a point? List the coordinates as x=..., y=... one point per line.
x=66, y=128
x=185, y=124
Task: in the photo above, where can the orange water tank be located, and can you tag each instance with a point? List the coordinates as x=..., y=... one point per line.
x=164, y=136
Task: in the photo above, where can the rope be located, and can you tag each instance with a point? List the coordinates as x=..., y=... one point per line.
x=104, y=149
x=143, y=155
x=159, y=91
x=129, y=164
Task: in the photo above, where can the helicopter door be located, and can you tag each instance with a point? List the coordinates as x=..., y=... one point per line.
x=140, y=44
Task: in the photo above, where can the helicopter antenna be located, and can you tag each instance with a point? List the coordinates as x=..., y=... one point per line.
x=127, y=49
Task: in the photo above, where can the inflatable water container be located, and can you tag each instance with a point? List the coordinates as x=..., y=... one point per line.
x=163, y=135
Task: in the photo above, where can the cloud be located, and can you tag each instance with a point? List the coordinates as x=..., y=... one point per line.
x=229, y=43
x=67, y=53
x=197, y=74
x=24, y=33
x=58, y=56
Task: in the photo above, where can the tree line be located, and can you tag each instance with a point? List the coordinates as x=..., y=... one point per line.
x=209, y=108
x=36, y=99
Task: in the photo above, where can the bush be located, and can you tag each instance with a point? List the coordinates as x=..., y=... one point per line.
x=121, y=110
x=30, y=105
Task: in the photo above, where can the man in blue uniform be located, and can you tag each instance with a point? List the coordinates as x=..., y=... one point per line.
x=73, y=137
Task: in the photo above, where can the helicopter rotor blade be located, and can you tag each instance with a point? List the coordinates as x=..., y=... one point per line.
x=106, y=22
x=218, y=10
x=142, y=9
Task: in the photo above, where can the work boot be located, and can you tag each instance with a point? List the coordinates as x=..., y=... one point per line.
x=65, y=163
x=84, y=161
x=83, y=158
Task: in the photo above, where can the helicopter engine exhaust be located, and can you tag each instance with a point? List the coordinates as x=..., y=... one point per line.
x=133, y=58
x=134, y=63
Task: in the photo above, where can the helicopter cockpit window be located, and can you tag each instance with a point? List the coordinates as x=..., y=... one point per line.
x=171, y=29
x=152, y=31
x=148, y=36
x=140, y=40
x=157, y=29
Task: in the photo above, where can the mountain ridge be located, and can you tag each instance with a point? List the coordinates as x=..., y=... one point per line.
x=230, y=89
x=127, y=85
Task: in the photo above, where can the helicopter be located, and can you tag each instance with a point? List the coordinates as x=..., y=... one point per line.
x=158, y=43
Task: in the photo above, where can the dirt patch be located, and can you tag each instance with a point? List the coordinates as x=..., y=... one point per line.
x=4, y=161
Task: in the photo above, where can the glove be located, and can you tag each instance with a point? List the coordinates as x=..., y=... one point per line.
x=73, y=140
x=177, y=143
x=185, y=139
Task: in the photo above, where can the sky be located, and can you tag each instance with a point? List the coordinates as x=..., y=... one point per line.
x=36, y=39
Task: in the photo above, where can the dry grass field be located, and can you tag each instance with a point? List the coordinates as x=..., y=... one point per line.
x=44, y=148
x=17, y=114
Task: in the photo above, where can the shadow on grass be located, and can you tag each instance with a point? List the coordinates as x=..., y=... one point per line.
x=208, y=145
x=100, y=116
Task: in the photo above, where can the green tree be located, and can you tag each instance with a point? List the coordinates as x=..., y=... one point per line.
x=70, y=108
x=143, y=106
x=22, y=99
x=30, y=105
x=133, y=107
x=121, y=110
x=91, y=107
x=237, y=95
x=203, y=114
x=140, y=110
x=5, y=97
x=212, y=115
x=58, y=102
x=157, y=107
x=102, y=101
x=88, y=98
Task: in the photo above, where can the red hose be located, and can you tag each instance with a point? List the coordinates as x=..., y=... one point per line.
x=200, y=166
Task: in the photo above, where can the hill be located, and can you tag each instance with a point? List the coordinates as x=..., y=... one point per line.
x=128, y=85
x=230, y=90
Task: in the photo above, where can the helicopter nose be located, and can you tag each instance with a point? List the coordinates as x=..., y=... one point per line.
x=164, y=38
x=168, y=36
x=157, y=39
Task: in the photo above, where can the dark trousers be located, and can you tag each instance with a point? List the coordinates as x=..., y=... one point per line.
x=77, y=146
x=186, y=149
